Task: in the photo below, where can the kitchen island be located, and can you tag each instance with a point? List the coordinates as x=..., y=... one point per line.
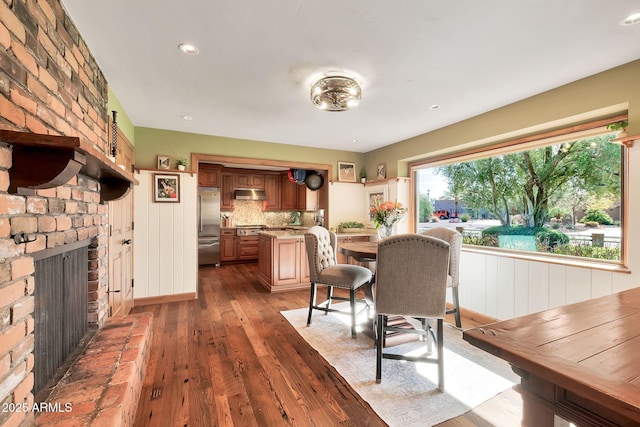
x=282, y=258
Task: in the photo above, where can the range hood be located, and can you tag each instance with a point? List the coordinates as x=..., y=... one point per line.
x=249, y=194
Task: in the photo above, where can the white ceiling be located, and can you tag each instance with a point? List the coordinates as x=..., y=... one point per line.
x=257, y=61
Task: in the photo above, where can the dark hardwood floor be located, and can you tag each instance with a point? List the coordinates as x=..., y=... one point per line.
x=231, y=359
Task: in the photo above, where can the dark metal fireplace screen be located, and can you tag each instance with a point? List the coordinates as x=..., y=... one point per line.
x=61, y=286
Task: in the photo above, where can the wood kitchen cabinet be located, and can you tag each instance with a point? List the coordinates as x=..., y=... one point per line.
x=227, y=187
x=293, y=197
x=272, y=190
x=340, y=257
x=282, y=263
x=247, y=248
x=288, y=194
x=307, y=199
x=228, y=245
x=209, y=175
x=249, y=180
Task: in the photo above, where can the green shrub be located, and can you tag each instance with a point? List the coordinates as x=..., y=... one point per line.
x=488, y=241
x=546, y=237
x=351, y=224
x=465, y=217
x=556, y=212
x=598, y=216
x=551, y=238
x=587, y=251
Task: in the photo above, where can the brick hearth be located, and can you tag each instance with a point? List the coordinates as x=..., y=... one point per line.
x=103, y=386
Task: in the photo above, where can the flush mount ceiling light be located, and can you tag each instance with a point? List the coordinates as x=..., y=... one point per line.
x=631, y=19
x=335, y=93
x=189, y=49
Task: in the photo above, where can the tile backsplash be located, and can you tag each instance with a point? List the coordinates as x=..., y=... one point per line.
x=250, y=212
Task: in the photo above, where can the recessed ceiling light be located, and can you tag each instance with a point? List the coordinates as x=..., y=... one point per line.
x=632, y=18
x=189, y=49
x=434, y=107
x=355, y=139
x=187, y=118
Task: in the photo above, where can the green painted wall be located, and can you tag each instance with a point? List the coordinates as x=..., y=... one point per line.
x=124, y=123
x=600, y=95
x=151, y=142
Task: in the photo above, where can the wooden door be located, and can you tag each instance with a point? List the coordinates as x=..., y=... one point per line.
x=121, y=256
x=120, y=286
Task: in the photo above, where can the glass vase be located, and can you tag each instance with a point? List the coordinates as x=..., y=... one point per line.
x=385, y=230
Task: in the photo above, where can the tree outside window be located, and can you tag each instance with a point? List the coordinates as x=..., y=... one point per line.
x=560, y=195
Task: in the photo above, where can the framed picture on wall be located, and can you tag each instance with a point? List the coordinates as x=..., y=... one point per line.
x=346, y=172
x=379, y=193
x=163, y=162
x=381, y=171
x=166, y=188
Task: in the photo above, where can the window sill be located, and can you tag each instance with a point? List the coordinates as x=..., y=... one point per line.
x=592, y=264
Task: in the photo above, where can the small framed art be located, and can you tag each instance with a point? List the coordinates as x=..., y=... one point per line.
x=163, y=162
x=381, y=171
x=346, y=172
x=166, y=188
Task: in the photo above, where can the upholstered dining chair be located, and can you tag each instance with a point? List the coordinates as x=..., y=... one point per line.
x=411, y=281
x=455, y=244
x=324, y=270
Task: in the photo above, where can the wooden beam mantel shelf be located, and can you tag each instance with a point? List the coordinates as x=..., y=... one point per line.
x=46, y=161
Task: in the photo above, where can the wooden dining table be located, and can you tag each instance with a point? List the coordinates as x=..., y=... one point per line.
x=579, y=361
x=360, y=251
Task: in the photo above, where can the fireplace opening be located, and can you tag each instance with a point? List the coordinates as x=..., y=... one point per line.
x=61, y=326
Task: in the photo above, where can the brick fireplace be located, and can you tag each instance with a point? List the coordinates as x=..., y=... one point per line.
x=49, y=84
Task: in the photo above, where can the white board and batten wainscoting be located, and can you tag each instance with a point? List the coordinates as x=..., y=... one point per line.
x=165, y=242
x=505, y=287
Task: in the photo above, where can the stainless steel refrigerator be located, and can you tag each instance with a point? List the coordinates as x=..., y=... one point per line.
x=209, y=226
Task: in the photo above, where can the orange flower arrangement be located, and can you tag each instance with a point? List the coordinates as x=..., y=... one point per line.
x=386, y=214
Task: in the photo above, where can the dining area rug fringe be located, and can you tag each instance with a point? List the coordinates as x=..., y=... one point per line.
x=408, y=395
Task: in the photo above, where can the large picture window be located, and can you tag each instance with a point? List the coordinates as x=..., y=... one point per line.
x=560, y=196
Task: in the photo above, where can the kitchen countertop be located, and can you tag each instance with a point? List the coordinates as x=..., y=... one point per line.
x=283, y=234
x=293, y=233
x=283, y=227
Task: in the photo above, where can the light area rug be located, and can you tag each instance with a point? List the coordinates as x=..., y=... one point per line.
x=408, y=394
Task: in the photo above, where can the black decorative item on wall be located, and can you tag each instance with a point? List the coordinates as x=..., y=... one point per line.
x=114, y=135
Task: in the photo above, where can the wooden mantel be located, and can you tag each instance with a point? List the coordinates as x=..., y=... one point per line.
x=47, y=161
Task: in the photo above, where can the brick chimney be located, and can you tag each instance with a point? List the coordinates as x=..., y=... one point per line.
x=49, y=84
